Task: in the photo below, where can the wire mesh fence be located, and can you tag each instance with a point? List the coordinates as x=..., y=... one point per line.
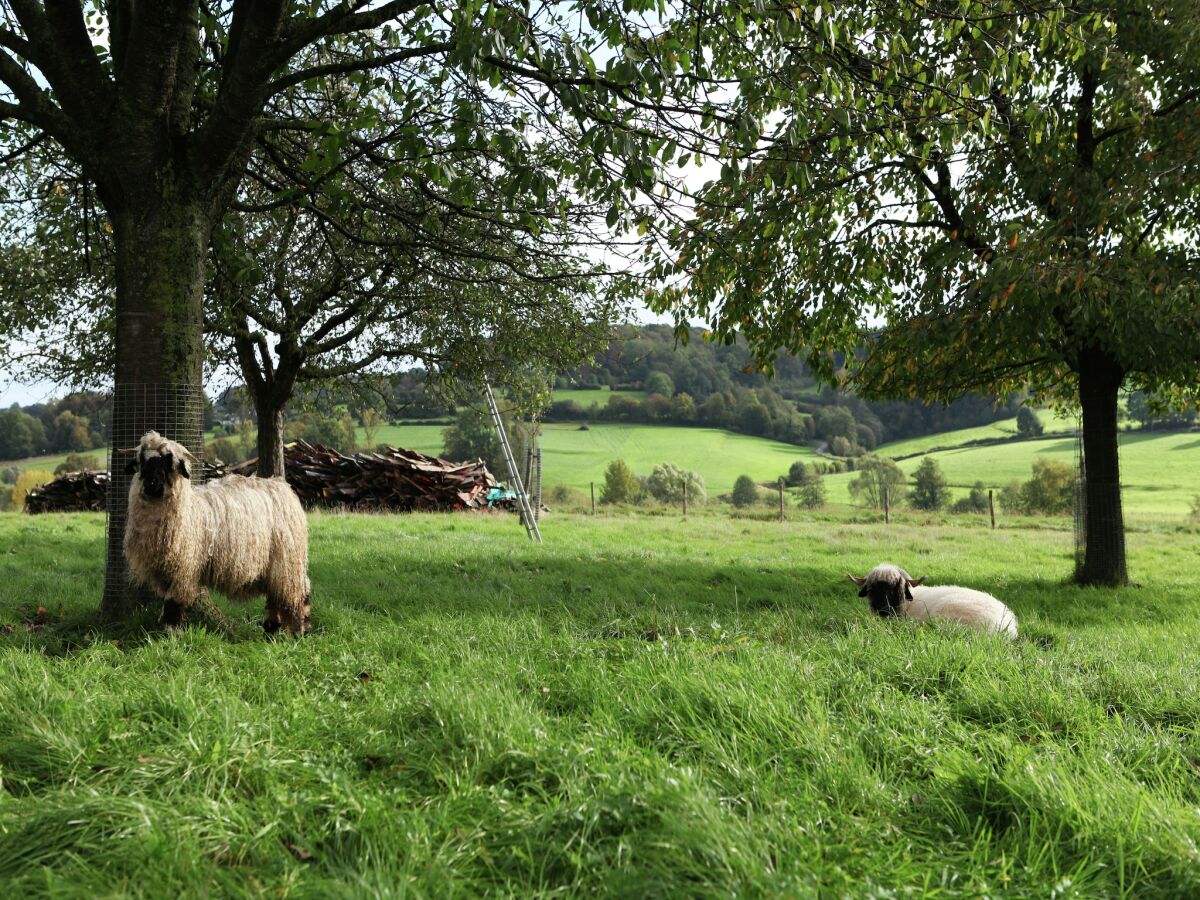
x=1080, y=503
x=176, y=411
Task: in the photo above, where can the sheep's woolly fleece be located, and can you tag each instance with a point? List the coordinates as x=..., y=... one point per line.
x=241, y=536
x=966, y=606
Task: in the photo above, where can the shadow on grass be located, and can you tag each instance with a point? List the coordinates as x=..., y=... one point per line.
x=634, y=595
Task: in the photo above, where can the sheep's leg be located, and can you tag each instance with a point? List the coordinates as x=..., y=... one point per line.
x=273, y=621
x=172, y=614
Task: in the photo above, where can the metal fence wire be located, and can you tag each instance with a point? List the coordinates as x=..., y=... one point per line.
x=1080, y=502
x=176, y=411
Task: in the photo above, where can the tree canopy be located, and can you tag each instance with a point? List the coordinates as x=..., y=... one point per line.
x=948, y=197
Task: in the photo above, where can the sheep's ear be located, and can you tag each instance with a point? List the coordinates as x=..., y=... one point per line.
x=917, y=582
x=131, y=466
x=183, y=469
x=859, y=581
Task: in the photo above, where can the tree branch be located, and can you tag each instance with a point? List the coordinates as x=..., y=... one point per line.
x=358, y=65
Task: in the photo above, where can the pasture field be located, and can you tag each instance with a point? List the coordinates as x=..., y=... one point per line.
x=1160, y=471
x=640, y=706
x=585, y=397
x=1003, y=428
x=574, y=458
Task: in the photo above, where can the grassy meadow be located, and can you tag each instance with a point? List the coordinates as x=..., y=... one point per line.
x=641, y=706
x=575, y=458
x=1160, y=471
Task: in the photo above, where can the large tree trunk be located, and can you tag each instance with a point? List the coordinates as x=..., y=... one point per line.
x=161, y=245
x=270, y=439
x=1100, y=380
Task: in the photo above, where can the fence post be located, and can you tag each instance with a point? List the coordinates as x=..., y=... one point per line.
x=593, y=485
x=537, y=461
x=780, y=498
x=685, y=481
x=992, y=509
x=887, y=514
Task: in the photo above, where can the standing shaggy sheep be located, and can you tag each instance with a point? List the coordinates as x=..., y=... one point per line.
x=893, y=592
x=241, y=536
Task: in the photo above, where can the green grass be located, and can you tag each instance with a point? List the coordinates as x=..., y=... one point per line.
x=641, y=706
x=1004, y=428
x=575, y=458
x=1160, y=471
x=600, y=396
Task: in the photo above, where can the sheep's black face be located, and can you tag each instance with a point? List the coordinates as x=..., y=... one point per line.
x=158, y=473
x=886, y=598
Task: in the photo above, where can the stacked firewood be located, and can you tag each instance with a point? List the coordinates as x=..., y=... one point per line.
x=391, y=479
x=72, y=492
x=387, y=480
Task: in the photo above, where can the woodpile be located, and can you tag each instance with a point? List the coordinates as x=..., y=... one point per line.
x=73, y=492
x=394, y=480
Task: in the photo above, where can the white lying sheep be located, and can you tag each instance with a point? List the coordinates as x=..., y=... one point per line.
x=241, y=536
x=893, y=592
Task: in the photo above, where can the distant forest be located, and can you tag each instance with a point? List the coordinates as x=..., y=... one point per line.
x=717, y=385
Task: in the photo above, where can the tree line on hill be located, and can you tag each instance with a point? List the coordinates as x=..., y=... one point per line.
x=718, y=385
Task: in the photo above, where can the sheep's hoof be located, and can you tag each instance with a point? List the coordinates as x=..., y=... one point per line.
x=172, y=617
x=270, y=628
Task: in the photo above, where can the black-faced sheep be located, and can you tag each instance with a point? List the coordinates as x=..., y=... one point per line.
x=241, y=536
x=893, y=592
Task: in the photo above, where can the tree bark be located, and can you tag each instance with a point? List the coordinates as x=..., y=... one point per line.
x=1104, y=563
x=161, y=243
x=270, y=439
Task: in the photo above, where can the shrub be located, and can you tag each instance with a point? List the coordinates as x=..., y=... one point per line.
x=472, y=436
x=26, y=482
x=930, y=490
x=975, y=502
x=620, y=407
x=812, y=491
x=224, y=449
x=836, y=421
x=666, y=482
x=372, y=420
x=840, y=446
x=1028, y=423
x=875, y=475
x=565, y=409
x=715, y=411
x=77, y=462
x=1051, y=490
x=797, y=472
x=620, y=484
x=561, y=495
x=683, y=408
x=745, y=491
x=866, y=437
x=660, y=383
x=8, y=475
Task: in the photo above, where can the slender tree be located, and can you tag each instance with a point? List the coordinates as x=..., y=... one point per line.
x=1011, y=187
x=156, y=109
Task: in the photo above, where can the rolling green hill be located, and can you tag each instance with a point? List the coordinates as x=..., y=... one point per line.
x=574, y=458
x=1004, y=428
x=1160, y=470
